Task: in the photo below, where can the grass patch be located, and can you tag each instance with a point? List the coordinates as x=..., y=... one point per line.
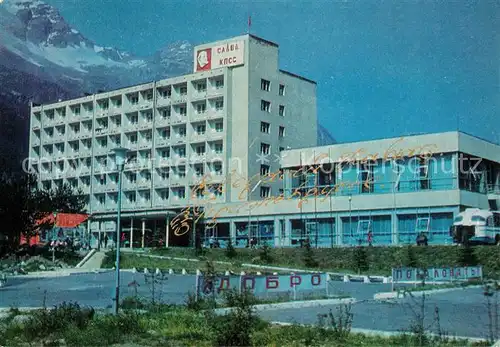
x=379, y=260
x=72, y=325
x=129, y=261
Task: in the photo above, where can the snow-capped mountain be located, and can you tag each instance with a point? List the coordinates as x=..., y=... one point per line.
x=43, y=59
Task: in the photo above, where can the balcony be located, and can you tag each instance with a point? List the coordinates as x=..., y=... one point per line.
x=99, y=188
x=215, y=91
x=143, y=184
x=35, y=141
x=159, y=202
x=84, y=170
x=161, y=101
x=198, y=137
x=178, y=98
x=196, y=158
x=162, y=141
x=178, y=181
x=161, y=183
x=199, y=95
x=215, y=113
x=145, y=144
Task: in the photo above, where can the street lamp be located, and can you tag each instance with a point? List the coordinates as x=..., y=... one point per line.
x=350, y=215
x=120, y=156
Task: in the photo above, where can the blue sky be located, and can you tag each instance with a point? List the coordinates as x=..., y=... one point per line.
x=384, y=68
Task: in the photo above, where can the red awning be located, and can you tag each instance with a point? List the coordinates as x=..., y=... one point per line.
x=65, y=220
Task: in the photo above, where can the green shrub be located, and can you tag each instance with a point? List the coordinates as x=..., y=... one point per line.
x=236, y=327
x=230, y=250
x=360, y=259
x=46, y=322
x=265, y=254
x=309, y=259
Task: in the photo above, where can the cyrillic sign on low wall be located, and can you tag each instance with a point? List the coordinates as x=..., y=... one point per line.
x=263, y=284
x=436, y=274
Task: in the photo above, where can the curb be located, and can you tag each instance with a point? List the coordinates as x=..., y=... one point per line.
x=292, y=304
x=384, y=333
x=345, y=277
x=52, y=274
x=400, y=295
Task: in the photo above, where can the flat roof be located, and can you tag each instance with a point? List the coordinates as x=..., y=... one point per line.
x=297, y=76
x=263, y=40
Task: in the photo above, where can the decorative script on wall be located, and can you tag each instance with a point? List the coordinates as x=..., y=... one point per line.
x=194, y=213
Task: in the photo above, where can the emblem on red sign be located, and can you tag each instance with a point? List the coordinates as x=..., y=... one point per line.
x=204, y=60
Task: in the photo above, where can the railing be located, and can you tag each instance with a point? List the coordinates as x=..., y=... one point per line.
x=493, y=188
x=359, y=187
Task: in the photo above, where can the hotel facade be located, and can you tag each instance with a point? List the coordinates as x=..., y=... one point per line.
x=237, y=137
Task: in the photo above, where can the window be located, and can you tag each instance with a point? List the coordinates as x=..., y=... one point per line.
x=76, y=111
x=218, y=169
x=183, y=90
x=164, y=194
x=366, y=177
x=218, y=148
x=132, y=178
x=182, y=132
x=165, y=134
x=364, y=227
x=166, y=93
x=165, y=175
x=76, y=128
x=219, y=84
x=422, y=225
x=281, y=132
x=264, y=170
x=219, y=105
x=133, y=139
x=181, y=172
x=102, y=180
x=165, y=113
x=149, y=117
x=478, y=219
x=282, y=149
x=165, y=153
x=101, y=199
x=200, y=129
x=219, y=127
x=265, y=192
x=423, y=172
x=265, y=85
x=148, y=136
x=182, y=110
x=265, y=148
x=131, y=197
x=200, y=150
x=134, y=100
x=134, y=119
x=282, y=111
x=201, y=108
x=264, y=127
x=181, y=193
x=201, y=87
x=265, y=106
x=199, y=171
x=281, y=91
x=149, y=96
x=181, y=152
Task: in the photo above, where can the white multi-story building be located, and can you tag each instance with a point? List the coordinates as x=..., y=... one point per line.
x=228, y=120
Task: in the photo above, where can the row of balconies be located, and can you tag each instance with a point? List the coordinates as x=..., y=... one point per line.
x=213, y=129
x=54, y=119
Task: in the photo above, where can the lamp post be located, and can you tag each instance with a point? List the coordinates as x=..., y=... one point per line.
x=120, y=155
x=350, y=215
x=53, y=238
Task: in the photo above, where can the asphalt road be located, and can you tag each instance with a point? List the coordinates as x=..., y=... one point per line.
x=462, y=313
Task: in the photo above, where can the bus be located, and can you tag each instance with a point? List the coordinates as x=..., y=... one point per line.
x=476, y=226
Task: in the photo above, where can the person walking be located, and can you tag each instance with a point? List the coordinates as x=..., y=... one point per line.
x=370, y=238
x=106, y=241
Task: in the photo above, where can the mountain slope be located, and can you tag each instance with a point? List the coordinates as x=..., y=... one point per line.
x=43, y=59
